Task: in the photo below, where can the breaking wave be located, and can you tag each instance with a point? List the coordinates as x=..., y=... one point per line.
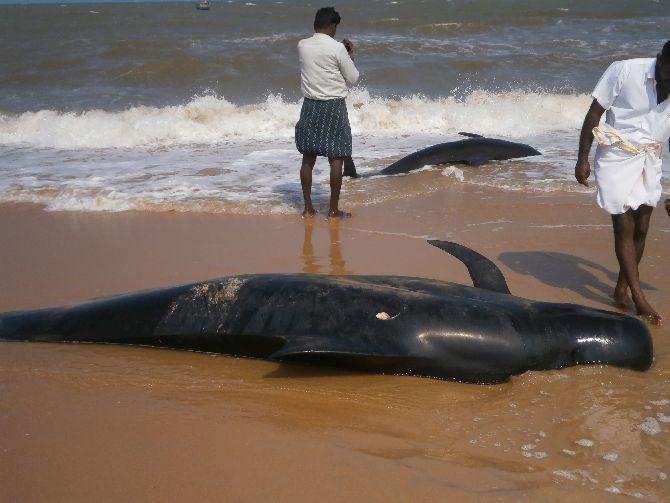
x=213, y=120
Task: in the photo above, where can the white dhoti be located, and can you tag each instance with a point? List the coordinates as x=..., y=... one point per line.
x=628, y=174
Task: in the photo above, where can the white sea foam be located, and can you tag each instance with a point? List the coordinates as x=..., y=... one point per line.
x=453, y=171
x=566, y=474
x=650, y=426
x=575, y=474
x=210, y=119
x=210, y=155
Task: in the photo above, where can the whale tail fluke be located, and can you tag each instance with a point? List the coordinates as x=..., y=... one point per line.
x=484, y=273
x=349, y=168
x=470, y=135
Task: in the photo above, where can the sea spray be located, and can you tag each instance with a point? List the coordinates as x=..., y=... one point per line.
x=214, y=120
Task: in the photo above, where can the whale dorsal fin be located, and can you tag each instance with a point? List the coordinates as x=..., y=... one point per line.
x=484, y=273
x=470, y=135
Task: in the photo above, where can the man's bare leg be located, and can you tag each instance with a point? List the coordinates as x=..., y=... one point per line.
x=641, y=217
x=624, y=245
x=306, y=168
x=335, y=186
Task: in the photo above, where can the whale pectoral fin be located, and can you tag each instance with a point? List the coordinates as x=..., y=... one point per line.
x=308, y=346
x=320, y=351
x=303, y=345
x=470, y=135
x=484, y=273
x=477, y=159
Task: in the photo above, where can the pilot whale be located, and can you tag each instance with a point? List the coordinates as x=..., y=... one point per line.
x=384, y=324
x=475, y=151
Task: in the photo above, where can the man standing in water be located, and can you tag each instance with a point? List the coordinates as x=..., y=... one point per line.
x=628, y=160
x=327, y=71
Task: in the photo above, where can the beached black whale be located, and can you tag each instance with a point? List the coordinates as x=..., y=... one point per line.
x=474, y=151
x=390, y=324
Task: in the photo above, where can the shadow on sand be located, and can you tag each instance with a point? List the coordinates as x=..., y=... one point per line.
x=562, y=270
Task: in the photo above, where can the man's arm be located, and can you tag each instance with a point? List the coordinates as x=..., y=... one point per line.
x=592, y=119
x=347, y=67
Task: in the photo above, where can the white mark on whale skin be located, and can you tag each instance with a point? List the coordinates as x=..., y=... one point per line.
x=385, y=316
x=611, y=456
x=585, y=442
x=227, y=291
x=213, y=294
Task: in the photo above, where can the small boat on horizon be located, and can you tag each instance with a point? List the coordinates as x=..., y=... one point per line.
x=204, y=5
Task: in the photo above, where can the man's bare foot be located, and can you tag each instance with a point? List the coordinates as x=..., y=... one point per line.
x=649, y=313
x=339, y=214
x=309, y=212
x=622, y=298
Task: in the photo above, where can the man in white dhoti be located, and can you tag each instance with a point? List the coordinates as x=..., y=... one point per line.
x=631, y=143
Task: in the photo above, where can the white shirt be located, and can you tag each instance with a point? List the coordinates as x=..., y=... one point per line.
x=628, y=165
x=627, y=90
x=326, y=70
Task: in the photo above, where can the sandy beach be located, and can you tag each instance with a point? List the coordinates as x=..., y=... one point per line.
x=149, y=144
x=109, y=423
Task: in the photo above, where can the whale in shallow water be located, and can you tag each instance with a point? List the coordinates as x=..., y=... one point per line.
x=386, y=324
x=475, y=151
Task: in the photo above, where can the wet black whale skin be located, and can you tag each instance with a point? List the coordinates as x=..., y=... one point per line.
x=438, y=329
x=473, y=151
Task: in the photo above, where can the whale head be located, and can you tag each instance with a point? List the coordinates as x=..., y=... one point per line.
x=593, y=336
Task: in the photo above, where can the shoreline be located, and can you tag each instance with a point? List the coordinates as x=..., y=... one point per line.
x=117, y=422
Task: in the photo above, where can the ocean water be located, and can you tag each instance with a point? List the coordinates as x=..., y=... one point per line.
x=157, y=106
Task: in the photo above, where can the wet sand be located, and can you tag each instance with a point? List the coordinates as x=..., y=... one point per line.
x=109, y=423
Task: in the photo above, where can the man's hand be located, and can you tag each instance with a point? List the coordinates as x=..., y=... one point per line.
x=583, y=171
x=667, y=206
x=583, y=168
x=350, y=47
